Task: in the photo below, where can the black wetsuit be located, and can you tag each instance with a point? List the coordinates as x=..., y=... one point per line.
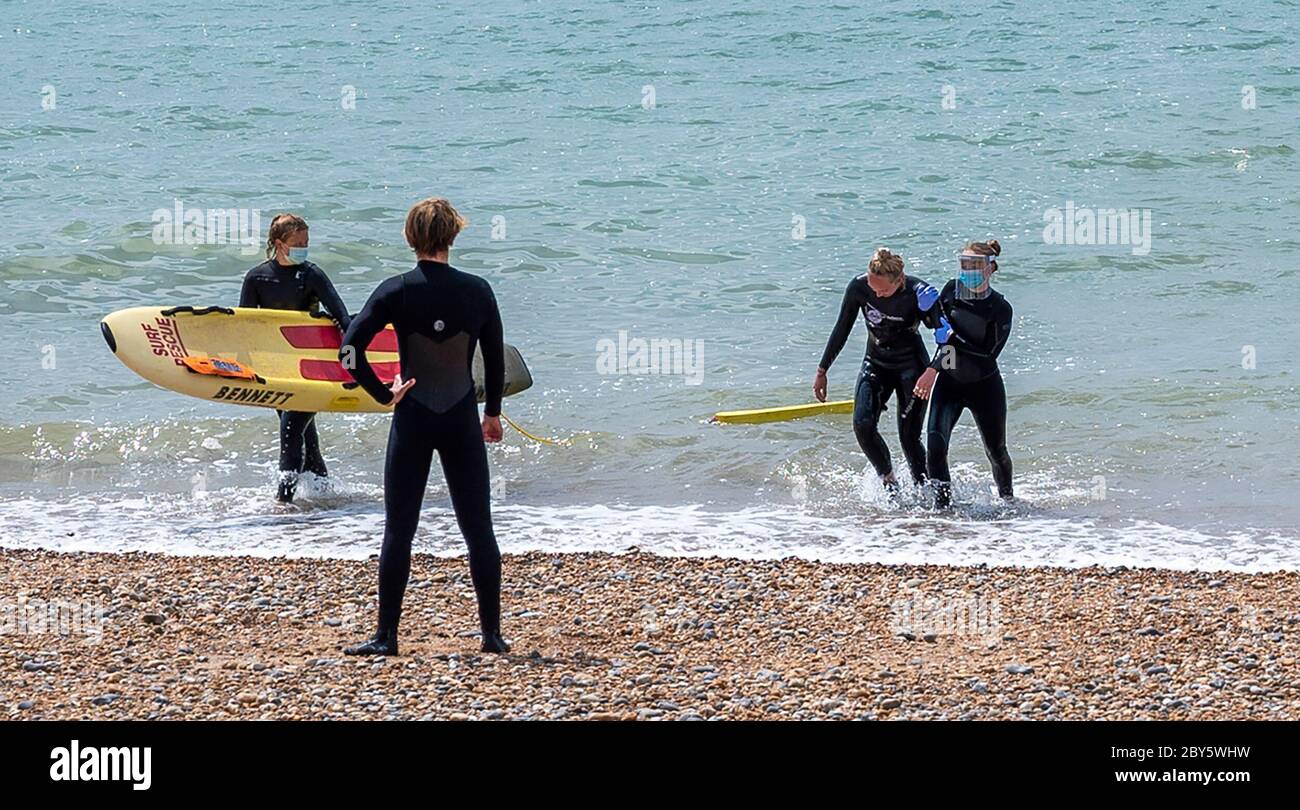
x=969, y=378
x=895, y=358
x=440, y=314
x=304, y=288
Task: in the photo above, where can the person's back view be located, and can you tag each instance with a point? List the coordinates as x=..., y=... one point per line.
x=440, y=315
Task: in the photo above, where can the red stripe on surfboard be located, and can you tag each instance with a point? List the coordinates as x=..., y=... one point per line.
x=333, y=371
x=328, y=337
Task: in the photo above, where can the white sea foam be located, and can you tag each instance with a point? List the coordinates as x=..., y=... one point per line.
x=349, y=525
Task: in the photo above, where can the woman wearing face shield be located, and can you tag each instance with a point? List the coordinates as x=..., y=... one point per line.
x=894, y=305
x=974, y=324
x=286, y=280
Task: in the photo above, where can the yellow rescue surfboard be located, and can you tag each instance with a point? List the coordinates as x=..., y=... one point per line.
x=784, y=413
x=264, y=358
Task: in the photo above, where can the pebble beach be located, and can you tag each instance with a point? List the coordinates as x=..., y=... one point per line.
x=642, y=637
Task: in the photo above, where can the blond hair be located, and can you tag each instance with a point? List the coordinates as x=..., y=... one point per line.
x=282, y=227
x=989, y=248
x=432, y=225
x=887, y=264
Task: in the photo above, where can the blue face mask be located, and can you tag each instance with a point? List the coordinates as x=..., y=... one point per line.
x=973, y=271
x=297, y=255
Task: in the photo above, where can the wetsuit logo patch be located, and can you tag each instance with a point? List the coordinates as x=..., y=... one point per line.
x=438, y=326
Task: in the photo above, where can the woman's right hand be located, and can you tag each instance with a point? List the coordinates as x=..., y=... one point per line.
x=399, y=389
x=819, y=385
x=925, y=384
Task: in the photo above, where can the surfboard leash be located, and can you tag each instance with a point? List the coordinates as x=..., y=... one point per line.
x=539, y=439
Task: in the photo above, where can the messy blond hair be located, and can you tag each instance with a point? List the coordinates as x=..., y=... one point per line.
x=887, y=264
x=282, y=227
x=989, y=248
x=432, y=225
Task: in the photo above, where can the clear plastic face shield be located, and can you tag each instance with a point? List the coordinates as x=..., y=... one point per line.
x=973, y=271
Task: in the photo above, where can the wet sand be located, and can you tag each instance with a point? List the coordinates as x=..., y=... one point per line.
x=636, y=636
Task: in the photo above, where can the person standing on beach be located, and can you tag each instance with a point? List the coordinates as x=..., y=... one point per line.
x=894, y=305
x=286, y=280
x=974, y=324
x=440, y=314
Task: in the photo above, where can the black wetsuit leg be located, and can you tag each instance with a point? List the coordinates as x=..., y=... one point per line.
x=406, y=474
x=946, y=404
x=987, y=401
x=909, y=429
x=869, y=395
x=312, y=460
x=988, y=404
x=415, y=434
x=293, y=428
x=465, y=466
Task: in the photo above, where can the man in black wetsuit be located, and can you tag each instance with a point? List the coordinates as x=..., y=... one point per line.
x=440, y=314
x=974, y=324
x=286, y=280
x=893, y=305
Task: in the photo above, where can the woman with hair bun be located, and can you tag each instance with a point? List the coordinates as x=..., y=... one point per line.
x=974, y=324
x=286, y=280
x=894, y=305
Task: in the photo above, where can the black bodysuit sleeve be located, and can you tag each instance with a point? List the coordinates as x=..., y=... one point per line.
x=988, y=347
x=492, y=341
x=938, y=311
x=1004, y=330
x=248, y=293
x=930, y=317
x=991, y=345
x=374, y=316
x=320, y=285
x=849, y=309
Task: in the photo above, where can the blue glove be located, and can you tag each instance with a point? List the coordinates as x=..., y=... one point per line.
x=926, y=296
x=944, y=332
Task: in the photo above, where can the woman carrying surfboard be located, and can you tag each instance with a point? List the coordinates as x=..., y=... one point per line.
x=894, y=305
x=440, y=314
x=286, y=280
x=974, y=324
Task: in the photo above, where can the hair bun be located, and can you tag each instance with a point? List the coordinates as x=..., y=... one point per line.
x=997, y=248
x=886, y=263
